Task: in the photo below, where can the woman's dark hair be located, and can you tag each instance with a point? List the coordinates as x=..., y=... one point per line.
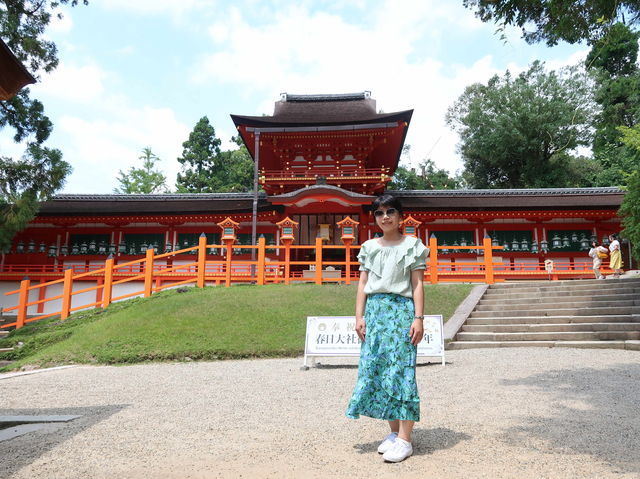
x=614, y=236
x=389, y=201
x=595, y=243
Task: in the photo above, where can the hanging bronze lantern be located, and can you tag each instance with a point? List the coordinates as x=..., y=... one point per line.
x=534, y=247
x=544, y=246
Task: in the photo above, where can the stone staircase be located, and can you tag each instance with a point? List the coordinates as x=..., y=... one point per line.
x=2, y=335
x=579, y=313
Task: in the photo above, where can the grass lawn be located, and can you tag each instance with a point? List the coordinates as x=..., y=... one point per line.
x=210, y=323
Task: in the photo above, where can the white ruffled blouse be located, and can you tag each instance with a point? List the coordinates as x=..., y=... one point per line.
x=390, y=267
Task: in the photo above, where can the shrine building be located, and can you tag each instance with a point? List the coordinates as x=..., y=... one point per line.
x=320, y=159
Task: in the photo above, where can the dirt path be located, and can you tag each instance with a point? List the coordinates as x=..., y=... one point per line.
x=525, y=413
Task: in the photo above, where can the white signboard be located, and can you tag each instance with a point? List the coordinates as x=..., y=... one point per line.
x=548, y=265
x=336, y=336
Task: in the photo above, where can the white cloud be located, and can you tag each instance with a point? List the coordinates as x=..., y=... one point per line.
x=60, y=25
x=128, y=50
x=175, y=8
x=99, y=149
x=69, y=82
x=393, y=54
x=332, y=56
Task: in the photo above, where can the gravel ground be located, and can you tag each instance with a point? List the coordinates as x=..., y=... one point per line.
x=520, y=412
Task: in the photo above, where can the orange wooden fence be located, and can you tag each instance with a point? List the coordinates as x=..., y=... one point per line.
x=158, y=277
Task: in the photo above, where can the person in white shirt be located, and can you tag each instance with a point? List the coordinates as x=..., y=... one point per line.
x=615, y=263
x=597, y=259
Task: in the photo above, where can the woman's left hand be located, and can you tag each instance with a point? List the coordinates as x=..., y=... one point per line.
x=416, y=332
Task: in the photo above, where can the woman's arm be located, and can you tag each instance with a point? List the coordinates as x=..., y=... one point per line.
x=417, y=327
x=361, y=301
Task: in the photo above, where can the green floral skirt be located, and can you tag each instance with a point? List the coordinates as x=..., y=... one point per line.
x=386, y=387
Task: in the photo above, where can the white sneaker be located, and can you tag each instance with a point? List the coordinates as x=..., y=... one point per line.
x=387, y=442
x=399, y=452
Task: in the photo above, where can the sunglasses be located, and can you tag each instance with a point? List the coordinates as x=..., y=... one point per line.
x=391, y=212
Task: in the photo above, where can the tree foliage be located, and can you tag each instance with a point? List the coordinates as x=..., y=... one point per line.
x=22, y=26
x=41, y=171
x=559, y=20
x=207, y=169
x=143, y=180
x=427, y=177
x=520, y=132
x=613, y=60
x=630, y=208
x=23, y=183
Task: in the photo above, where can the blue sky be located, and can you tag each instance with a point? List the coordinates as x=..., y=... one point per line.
x=141, y=73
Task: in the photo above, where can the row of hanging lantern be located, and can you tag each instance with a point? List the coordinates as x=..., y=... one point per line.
x=102, y=248
x=535, y=248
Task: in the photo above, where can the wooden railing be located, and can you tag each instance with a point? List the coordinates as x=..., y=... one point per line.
x=156, y=277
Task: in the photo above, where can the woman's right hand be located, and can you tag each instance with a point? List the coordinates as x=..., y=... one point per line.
x=360, y=328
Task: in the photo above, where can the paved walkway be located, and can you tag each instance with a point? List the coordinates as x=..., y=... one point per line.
x=525, y=413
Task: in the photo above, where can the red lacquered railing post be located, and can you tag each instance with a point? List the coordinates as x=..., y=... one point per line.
x=108, y=282
x=318, y=260
x=148, y=273
x=261, y=259
x=22, y=302
x=202, y=259
x=433, y=258
x=66, y=293
x=488, y=260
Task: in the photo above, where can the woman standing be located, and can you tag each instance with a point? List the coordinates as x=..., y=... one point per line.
x=389, y=315
x=597, y=260
x=615, y=263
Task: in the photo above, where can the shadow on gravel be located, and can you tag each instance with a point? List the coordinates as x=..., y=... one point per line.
x=425, y=441
x=595, y=412
x=355, y=366
x=23, y=450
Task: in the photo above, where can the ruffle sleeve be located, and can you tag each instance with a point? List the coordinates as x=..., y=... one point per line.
x=371, y=258
x=415, y=254
x=362, y=257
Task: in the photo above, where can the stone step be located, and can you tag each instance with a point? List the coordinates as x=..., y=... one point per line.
x=609, y=286
x=560, y=294
x=543, y=299
x=551, y=336
x=563, y=305
x=3, y=333
x=631, y=344
x=5, y=350
x=557, y=312
x=579, y=283
x=565, y=327
x=621, y=318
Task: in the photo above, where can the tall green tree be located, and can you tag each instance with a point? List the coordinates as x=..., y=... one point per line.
x=237, y=167
x=23, y=183
x=198, y=160
x=551, y=21
x=143, y=180
x=520, y=132
x=207, y=169
x=630, y=208
x=427, y=176
x=613, y=60
x=40, y=172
